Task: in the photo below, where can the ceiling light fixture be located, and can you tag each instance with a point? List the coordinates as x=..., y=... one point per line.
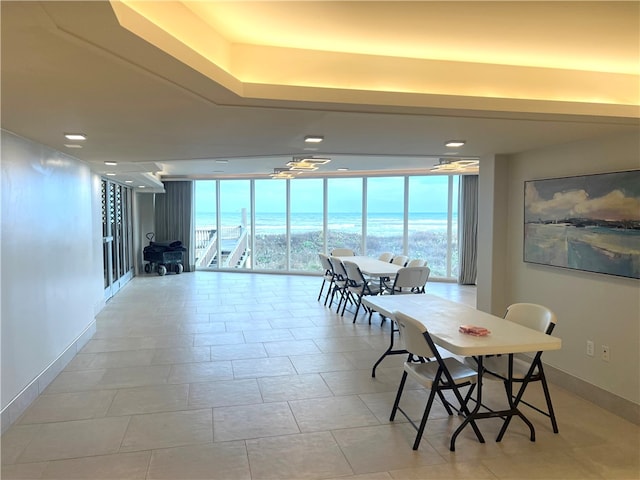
x=128, y=181
x=307, y=164
x=71, y=145
x=459, y=165
x=313, y=138
x=111, y=164
x=314, y=160
x=282, y=173
x=222, y=161
x=111, y=174
x=75, y=136
x=455, y=143
x=302, y=166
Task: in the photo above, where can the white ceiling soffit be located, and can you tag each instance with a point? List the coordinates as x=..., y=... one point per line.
x=384, y=98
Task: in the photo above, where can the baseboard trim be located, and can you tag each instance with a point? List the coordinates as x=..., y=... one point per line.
x=27, y=396
x=613, y=403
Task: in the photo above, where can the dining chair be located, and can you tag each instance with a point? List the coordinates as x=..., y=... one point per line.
x=417, y=262
x=437, y=374
x=385, y=257
x=339, y=282
x=400, y=260
x=525, y=370
x=342, y=252
x=396, y=260
x=358, y=286
x=409, y=280
x=328, y=276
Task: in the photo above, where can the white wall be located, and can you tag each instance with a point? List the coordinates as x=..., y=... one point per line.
x=51, y=259
x=492, y=225
x=602, y=308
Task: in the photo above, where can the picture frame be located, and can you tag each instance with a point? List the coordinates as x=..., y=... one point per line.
x=587, y=222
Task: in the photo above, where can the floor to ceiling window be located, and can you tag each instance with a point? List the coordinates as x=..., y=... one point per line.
x=385, y=215
x=206, y=234
x=270, y=225
x=282, y=225
x=307, y=224
x=234, y=233
x=430, y=222
x=344, y=214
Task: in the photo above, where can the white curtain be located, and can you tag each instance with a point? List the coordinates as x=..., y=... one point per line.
x=174, y=217
x=468, y=249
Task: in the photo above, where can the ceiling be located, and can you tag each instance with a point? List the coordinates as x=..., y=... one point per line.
x=210, y=89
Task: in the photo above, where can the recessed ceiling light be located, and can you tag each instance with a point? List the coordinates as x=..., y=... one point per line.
x=128, y=181
x=111, y=174
x=222, y=161
x=313, y=138
x=141, y=186
x=343, y=169
x=70, y=145
x=455, y=143
x=112, y=164
x=75, y=136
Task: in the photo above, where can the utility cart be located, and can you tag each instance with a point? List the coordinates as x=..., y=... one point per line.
x=163, y=257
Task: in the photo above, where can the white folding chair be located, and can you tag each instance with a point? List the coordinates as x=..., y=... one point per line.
x=339, y=282
x=409, y=280
x=342, y=252
x=417, y=262
x=437, y=375
x=525, y=371
x=328, y=276
x=400, y=260
x=358, y=286
x=385, y=257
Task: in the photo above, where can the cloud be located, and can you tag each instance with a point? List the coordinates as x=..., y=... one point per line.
x=612, y=206
x=577, y=203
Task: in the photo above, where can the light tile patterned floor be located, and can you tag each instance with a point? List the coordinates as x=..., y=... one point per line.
x=245, y=376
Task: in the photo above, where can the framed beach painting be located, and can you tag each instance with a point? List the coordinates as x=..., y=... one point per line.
x=587, y=222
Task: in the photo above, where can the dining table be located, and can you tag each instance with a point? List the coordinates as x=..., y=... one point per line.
x=443, y=319
x=373, y=268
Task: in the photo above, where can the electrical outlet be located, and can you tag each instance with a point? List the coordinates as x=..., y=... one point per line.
x=605, y=353
x=590, y=348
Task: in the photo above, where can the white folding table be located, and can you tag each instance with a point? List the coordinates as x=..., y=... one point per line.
x=442, y=318
x=372, y=266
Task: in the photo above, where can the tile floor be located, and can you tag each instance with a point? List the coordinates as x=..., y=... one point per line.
x=246, y=376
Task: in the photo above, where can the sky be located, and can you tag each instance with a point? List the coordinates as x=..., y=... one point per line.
x=610, y=196
x=385, y=194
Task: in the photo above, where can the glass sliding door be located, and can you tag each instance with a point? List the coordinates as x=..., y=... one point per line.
x=344, y=213
x=270, y=227
x=235, y=224
x=385, y=216
x=307, y=231
x=107, y=237
x=117, y=239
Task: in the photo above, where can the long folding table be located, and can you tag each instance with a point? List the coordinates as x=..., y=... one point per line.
x=443, y=318
x=372, y=266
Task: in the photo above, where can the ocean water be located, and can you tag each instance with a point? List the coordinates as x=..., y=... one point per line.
x=593, y=249
x=378, y=224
